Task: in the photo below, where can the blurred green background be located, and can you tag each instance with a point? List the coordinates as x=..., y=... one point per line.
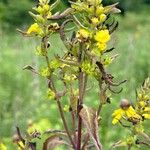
x=22, y=94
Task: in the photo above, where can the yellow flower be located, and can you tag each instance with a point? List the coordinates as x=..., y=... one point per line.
x=102, y=46
x=129, y=113
x=107, y=61
x=102, y=36
x=2, y=147
x=146, y=97
x=42, y=9
x=117, y=115
x=54, y=64
x=142, y=104
x=100, y=10
x=130, y=140
x=66, y=108
x=45, y=72
x=70, y=78
x=39, y=9
x=46, y=8
x=95, y=21
x=40, y=51
x=88, y=68
x=35, y=29
x=102, y=17
x=50, y=94
x=31, y=129
x=83, y=34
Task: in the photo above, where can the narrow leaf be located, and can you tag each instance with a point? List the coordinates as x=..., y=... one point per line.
x=112, y=9
x=28, y=67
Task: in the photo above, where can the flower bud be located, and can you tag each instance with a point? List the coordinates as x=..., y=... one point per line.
x=125, y=104
x=83, y=34
x=99, y=10
x=15, y=138
x=102, y=17
x=95, y=21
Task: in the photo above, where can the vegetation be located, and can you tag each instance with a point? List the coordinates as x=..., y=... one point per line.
x=12, y=11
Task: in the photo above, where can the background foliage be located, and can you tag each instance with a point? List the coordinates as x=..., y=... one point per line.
x=14, y=12
x=22, y=94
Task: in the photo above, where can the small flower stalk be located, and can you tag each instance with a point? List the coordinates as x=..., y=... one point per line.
x=86, y=56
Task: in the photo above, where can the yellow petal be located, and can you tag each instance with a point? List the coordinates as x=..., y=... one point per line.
x=21, y=144
x=116, y=119
x=102, y=46
x=147, y=109
x=116, y=112
x=102, y=17
x=146, y=116
x=2, y=147
x=34, y=28
x=130, y=112
x=82, y=33
x=102, y=36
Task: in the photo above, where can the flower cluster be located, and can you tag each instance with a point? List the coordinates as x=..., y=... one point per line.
x=94, y=32
x=93, y=24
x=43, y=12
x=140, y=112
x=143, y=100
x=126, y=112
x=136, y=115
x=102, y=37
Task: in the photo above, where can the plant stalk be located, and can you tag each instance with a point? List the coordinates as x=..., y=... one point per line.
x=64, y=122
x=82, y=88
x=57, y=99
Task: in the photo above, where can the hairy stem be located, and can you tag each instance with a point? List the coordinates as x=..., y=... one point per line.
x=129, y=147
x=86, y=142
x=82, y=87
x=101, y=103
x=79, y=108
x=64, y=122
